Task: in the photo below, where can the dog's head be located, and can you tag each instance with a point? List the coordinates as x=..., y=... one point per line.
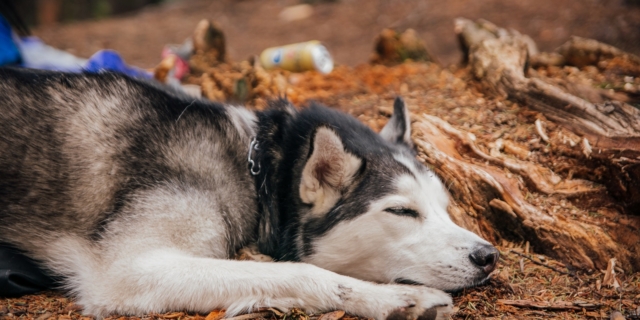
x=364, y=206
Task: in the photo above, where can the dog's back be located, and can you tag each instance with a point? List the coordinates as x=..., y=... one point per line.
x=76, y=150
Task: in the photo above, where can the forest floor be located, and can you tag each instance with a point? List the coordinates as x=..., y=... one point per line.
x=526, y=284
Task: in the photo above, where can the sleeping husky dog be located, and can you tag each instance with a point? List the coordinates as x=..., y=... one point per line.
x=137, y=197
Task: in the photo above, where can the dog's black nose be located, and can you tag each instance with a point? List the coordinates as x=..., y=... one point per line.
x=485, y=257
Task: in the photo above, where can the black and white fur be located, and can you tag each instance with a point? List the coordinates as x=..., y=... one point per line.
x=138, y=197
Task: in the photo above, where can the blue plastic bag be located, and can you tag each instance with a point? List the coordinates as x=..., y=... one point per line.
x=9, y=53
x=109, y=60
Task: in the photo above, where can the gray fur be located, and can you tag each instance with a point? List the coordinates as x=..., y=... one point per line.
x=77, y=151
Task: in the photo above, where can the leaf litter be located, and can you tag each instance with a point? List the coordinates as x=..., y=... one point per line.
x=525, y=284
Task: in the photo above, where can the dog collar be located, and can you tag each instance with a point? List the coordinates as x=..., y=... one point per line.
x=252, y=164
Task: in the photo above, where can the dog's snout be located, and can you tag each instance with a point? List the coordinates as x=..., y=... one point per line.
x=485, y=257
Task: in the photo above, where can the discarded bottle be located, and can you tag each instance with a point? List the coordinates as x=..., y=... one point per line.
x=310, y=55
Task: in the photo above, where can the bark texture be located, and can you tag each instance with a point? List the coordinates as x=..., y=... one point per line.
x=491, y=188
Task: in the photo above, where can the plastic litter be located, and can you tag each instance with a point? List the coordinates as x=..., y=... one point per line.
x=9, y=53
x=31, y=52
x=109, y=60
x=37, y=55
x=310, y=55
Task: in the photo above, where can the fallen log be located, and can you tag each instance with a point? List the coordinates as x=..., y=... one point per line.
x=582, y=52
x=499, y=59
x=490, y=202
x=491, y=182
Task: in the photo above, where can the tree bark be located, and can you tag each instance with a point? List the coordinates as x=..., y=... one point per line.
x=611, y=129
x=491, y=190
x=491, y=203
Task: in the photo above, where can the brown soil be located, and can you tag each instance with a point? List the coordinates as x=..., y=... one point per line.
x=520, y=288
x=347, y=27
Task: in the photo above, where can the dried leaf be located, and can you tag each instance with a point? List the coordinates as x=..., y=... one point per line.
x=616, y=315
x=72, y=307
x=44, y=316
x=216, y=314
x=335, y=315
x=173, y=315
x=504, y=274
x=277, y=312
x=610, y=275
x=251, y=316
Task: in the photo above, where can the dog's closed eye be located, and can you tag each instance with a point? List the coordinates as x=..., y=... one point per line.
x=402, y=211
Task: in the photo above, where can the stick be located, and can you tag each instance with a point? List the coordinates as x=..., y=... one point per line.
x=576, y=305
x=544, y=264
x=251, y=316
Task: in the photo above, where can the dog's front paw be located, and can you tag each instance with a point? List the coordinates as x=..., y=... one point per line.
x=434, y=313
x=398, y=302
x=422, y=303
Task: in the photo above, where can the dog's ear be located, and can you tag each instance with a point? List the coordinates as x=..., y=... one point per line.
x=328, y=171
x=398, y=129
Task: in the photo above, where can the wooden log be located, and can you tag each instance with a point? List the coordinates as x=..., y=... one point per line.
x=583, y=52
x=490, y=202
x=491, y=189
x=499, y=60
x=209, y=47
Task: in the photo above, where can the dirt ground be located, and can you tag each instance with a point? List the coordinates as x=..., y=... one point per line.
x=347, y=27
x=527, y=284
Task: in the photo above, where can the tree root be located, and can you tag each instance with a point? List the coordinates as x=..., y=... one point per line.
x=611, y=130
x=489, y=200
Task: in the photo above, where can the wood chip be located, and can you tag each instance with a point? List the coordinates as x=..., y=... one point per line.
x=216, y=314
x=275, y=311
x=586, y=148
x=616, y=315
x=335, y=315
x=610, y=275
x=173, y=315
x=45, y=316
x=541, y=132
x=72, y=307
x=251, y=316
x=549, y=305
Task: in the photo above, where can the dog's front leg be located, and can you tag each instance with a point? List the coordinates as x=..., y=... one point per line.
x=165, y=280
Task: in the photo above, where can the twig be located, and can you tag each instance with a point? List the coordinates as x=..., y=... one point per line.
x=251, y=316
x=576, y=305
x=541, y=132
x=544, y=264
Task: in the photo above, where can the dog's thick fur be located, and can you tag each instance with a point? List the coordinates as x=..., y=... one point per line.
x=137, y=197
